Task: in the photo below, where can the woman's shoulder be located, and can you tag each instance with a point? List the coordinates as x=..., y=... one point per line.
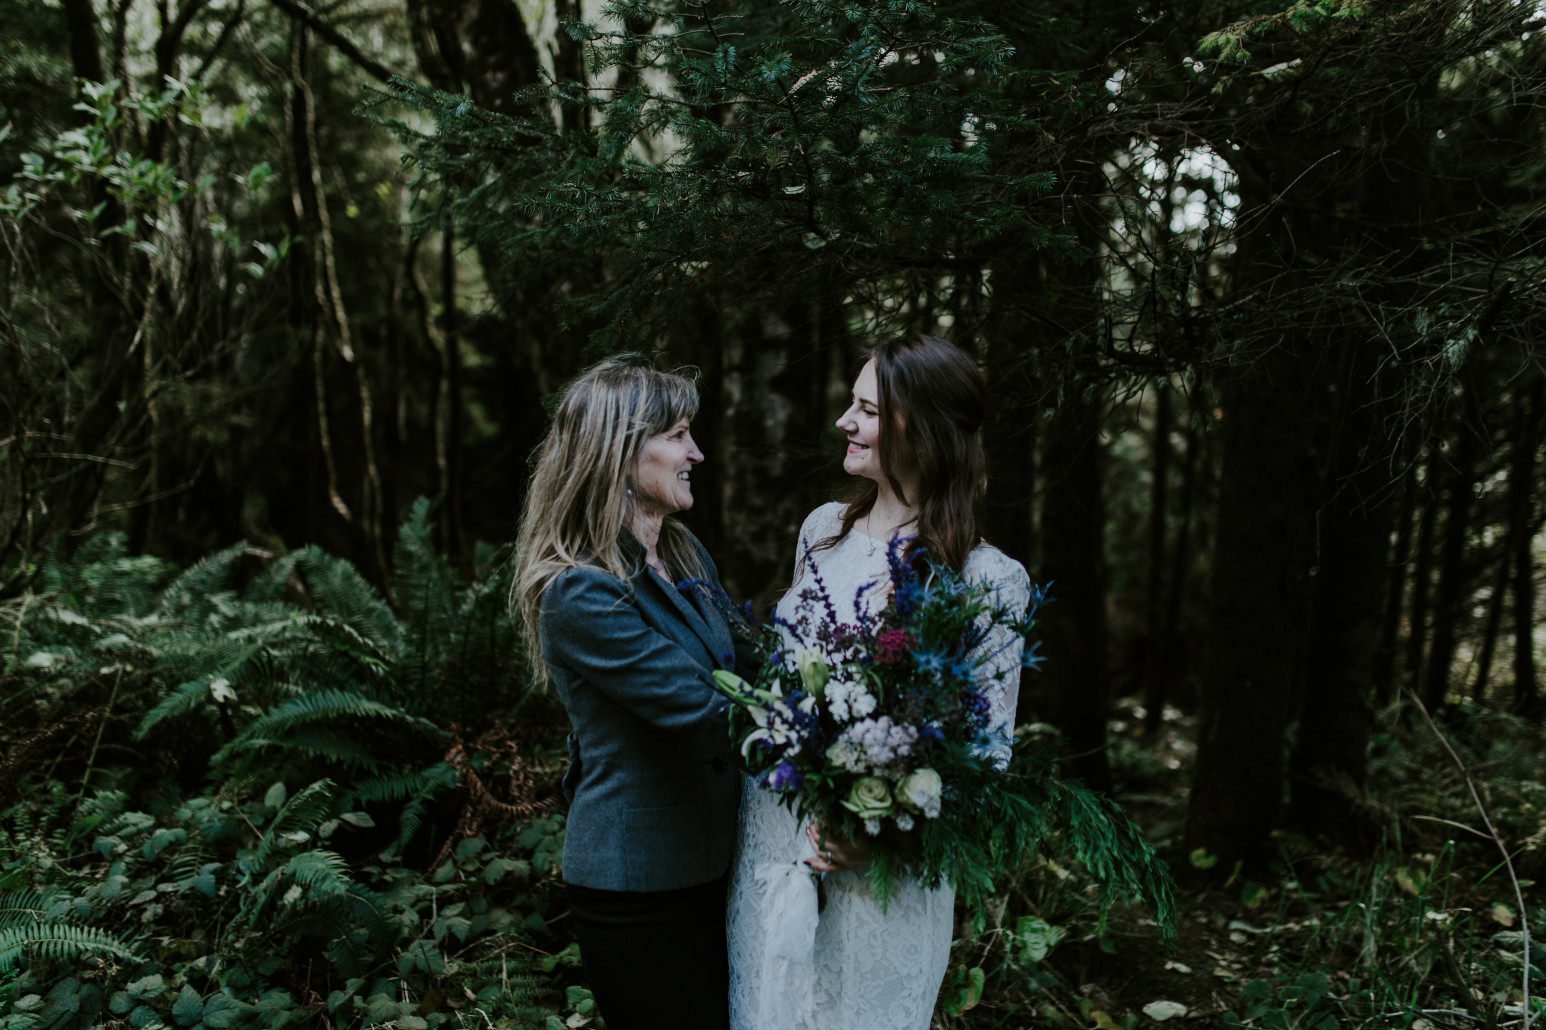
x=987, y=564
x=822, y=522
x=581, y=586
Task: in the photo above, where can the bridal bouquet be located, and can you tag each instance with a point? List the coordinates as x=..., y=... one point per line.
x=881, y=729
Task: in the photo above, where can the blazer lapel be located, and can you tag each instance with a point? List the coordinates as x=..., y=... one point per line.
x=715, y=621
x=695, y=621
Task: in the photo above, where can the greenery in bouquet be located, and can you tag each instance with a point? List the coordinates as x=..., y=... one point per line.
x=882, y=729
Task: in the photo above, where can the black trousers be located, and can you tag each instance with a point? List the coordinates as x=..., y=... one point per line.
x=656, y=958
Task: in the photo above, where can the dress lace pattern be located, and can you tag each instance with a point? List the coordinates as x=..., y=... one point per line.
x=848, y=967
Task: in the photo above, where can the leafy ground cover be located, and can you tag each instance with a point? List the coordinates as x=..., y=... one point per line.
x=258, y=793
x=1426, y=932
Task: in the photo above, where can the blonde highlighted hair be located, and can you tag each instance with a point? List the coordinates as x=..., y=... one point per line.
x=581, y=493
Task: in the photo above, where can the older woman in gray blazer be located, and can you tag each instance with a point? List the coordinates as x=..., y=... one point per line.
x=653, y=795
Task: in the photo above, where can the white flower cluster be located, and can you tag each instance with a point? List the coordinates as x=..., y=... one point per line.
x=871, y=745
x=849, y=699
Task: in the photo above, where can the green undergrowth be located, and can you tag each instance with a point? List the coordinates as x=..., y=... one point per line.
x=257, y=793
x=1425, y=932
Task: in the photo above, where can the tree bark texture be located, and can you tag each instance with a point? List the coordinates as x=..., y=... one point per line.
x=1156, y=653
x=1523, y=526
x=482, y=46
x=1395, y=591
x=1422, y=578
x=1254, y=665
x=1073, y=519
x=1009, y=436
x=1454, y=575
x=1329, y=761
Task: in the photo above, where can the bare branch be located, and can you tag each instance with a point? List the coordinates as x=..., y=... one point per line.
x=302, y=13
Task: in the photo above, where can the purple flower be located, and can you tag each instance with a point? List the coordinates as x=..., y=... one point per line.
x=891, y=645
x=784, y=776
x=975, y=703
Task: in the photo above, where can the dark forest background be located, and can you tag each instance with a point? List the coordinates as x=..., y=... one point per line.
x=1257, y=288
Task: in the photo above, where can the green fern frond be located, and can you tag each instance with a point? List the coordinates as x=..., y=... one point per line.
x=346, y=638
x=314, y=742
x=321, y=872
x=269, y=585
x=427, y=592
x=323, y=706
x=418, y=787
x=21, y=908
x=335, y=923
x=399, y=786
x=303, y=812
x=336, y=588
x=60, y=940
x=190, y=595
x=186, y=698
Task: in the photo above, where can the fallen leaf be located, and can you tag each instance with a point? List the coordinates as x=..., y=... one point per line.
x=1103, y=1021
x=1159, y=1011
x=1502, y=915
x=1179, y=967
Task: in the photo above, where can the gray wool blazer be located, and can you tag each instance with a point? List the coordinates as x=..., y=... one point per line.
x=653, y=794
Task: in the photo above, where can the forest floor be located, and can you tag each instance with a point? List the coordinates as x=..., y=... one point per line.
x=1422, y=933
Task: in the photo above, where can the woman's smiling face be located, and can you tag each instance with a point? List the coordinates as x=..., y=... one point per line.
x=861, y=424
x=663, y=473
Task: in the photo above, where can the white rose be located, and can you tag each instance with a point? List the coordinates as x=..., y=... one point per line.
x=922, y=790
x=870, y=798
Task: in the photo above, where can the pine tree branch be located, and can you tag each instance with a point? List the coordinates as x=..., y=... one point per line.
x=301, y=12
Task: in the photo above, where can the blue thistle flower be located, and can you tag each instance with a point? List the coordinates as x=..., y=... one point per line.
x=1029, y=659
x=931, y=662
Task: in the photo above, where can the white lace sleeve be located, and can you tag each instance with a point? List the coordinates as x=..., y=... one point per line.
x=821, y=523
x=999, y=676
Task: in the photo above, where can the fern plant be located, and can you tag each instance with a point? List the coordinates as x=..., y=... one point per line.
x=209, y=752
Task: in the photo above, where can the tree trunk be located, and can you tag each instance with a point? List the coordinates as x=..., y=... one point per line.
x=1257, y=611
x=481, y=46
x=569, y=64
x=704, y=348
x=1330, y=754
x=1175, y=685
x=1156, y=655
x=85, y=48
x=1009, y=438
x=1395, y=591
x=1075, y=676
x=452, y=408
x=1449, y=600
x=1527, y=696
x=1493, y=625
x=1422, y=579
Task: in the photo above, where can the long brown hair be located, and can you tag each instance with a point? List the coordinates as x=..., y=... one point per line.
x=932, y=402
x=582, y=486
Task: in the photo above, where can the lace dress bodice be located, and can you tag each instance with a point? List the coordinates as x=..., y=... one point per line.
x=848, y=966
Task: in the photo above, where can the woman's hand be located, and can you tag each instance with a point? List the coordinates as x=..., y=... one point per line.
x=835, y=854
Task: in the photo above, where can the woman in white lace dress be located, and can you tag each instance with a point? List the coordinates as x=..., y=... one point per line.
x=829, y=959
